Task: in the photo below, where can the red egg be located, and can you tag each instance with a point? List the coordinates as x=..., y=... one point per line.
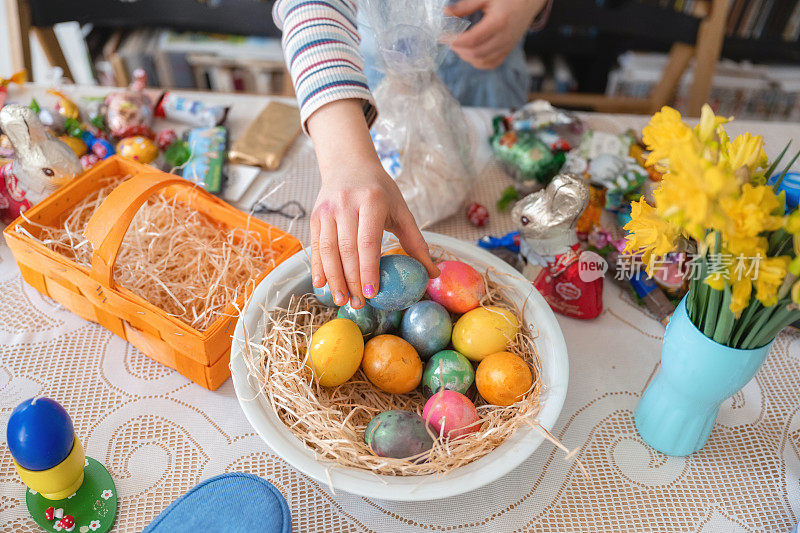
x=453, y=411
x=459, y=287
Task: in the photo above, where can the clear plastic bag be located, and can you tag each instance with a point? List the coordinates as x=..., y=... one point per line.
x=421, y=133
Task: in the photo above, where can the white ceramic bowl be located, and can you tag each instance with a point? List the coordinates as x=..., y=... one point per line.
x=293, y=277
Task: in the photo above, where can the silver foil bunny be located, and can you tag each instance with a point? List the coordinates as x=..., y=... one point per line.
x=547, y=218
x=569, y=279
x=42, y=163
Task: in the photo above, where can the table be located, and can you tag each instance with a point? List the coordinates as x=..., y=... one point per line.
x=159, y=434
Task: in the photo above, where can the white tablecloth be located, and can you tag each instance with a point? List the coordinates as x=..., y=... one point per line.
x=159, y=434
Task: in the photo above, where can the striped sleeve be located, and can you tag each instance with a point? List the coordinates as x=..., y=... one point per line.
x=321, y=47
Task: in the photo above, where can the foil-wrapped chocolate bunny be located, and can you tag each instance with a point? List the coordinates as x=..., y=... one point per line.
x=549, y=243
x=42, y=163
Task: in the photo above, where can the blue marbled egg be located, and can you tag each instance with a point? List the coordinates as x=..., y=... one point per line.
x=324, y=295
x=398, y=434
x=388, y=321
x=403, y=281
x=365, y=318
x=427, y=327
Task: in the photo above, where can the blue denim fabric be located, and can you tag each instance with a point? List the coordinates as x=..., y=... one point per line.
x=233, y=503
x=506, y=86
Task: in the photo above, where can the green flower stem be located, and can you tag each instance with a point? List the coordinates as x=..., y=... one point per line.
x=755, y=329
x=712, y=312
x=725, y=319
x=744, y=322
x=784, y=316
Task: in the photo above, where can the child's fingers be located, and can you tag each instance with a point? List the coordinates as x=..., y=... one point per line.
x=414, y=244
x=347, y=228
x=464, y=8
x=331, y=263
x=317, y=272
x=370, y=234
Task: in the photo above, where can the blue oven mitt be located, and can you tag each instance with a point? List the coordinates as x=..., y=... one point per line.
x=234, y=503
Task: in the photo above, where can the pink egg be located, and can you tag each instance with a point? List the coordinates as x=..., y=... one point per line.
x=459, y=287
x=452, y=410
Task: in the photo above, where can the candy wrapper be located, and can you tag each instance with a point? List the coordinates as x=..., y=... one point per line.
x=268, y=137
x=208, y=148
x=621, y=176
x=130, y=113
x=189, y=111
x=523, y=155
x=569, y=279
x=420, y=122
x=19, y=78
x=541, y=116
x=42, y=164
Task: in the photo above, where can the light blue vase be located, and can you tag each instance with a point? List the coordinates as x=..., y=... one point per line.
x=678, y=409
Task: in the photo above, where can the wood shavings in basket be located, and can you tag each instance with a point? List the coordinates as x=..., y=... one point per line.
x=172, y=256
x=332, y=421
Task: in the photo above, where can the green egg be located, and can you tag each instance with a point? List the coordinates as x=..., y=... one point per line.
x=447, y=369
x=365, y=318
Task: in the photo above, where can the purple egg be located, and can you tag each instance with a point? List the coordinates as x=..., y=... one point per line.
x=427, y=327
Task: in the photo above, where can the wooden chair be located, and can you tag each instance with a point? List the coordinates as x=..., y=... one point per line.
x=705, y=51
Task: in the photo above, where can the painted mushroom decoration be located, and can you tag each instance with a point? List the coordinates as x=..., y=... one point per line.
x=67, y=523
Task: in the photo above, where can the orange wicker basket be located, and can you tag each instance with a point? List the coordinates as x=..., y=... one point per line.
x=90, y=292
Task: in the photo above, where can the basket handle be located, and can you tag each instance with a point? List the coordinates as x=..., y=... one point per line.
x=107, y=226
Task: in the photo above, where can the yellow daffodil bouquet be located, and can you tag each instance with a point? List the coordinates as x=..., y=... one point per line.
x=718, y=202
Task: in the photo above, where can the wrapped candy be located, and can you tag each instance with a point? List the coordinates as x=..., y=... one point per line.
x=64, y=106
x=477, y=214
x=18, y=78
x=129, y=113
x=194, y=112
x=138, y=148
x=420, y=121
x=208, y=149
x=166, y=138
x=549, y=244
x=619, y=175
x=42, y=164
x=523, y=155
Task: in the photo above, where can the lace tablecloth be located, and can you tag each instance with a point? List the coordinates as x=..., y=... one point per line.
x=159, y=434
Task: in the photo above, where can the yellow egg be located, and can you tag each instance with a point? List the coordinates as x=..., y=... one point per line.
x=138, y=148
x=335, y=352
x=484, y=331
x=77, y=145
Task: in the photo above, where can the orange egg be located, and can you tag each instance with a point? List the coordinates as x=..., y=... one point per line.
x=395, y=250
x=392, y=364
x=502, y=378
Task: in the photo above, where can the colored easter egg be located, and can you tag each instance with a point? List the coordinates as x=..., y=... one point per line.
x=364, y=318
x=398, y=434
x=427, y=326
x=448, y=370
x=459, y=287
x=451, y=414
x=391, y=364
x=335, y=352
x=324, y=295
x=503, y=378
x=77, y=145
x=403, y=281
x=395, y=250
x=388, y=321
x=139, y=148
x=484, y=331
x=39, y=434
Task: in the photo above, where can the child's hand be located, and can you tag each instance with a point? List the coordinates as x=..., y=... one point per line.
x=356, y=202
x=487, y=44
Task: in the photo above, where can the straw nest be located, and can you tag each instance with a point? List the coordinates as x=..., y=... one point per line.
x=332, y=421
x=172, y=256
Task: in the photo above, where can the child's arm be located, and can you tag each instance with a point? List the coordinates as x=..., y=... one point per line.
x=357, y=199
